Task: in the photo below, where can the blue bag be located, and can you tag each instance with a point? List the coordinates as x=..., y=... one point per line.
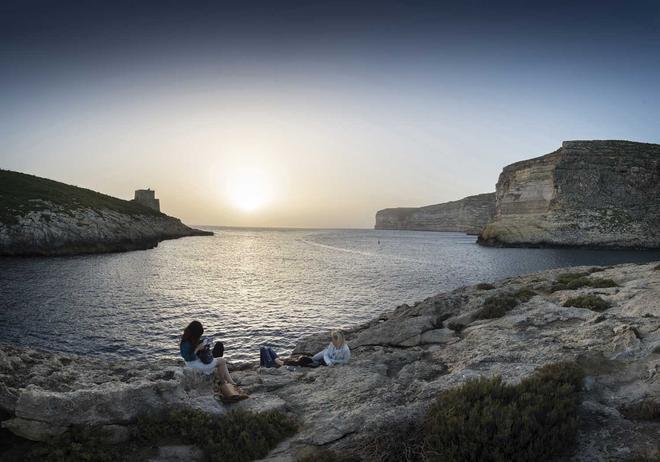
x=267, y=357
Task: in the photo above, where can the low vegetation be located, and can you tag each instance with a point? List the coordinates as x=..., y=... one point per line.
x=314, y=454
x=456, y=326
x=572, y=281
x=592, y=302
x=21, y=194
x=489, y=420
x=400, y=440
x=524, y=294
x=498, y=305
x=237, y=436
x=648, y=409
x=485, y=286
x=657, y=268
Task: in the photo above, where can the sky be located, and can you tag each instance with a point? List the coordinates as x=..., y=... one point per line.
x=315, y=114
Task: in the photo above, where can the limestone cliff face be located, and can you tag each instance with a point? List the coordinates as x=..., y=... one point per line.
x=585, y=194
x=44, y=217
x=467, y=215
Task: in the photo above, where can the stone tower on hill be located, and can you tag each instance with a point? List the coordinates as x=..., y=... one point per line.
x=147, y=197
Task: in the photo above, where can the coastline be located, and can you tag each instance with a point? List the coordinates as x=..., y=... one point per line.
x=402, y=359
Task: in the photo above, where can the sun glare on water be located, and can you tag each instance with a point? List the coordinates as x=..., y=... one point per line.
x=248, y=190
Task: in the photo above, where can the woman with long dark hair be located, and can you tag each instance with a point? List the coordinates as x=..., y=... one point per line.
x=189, y=346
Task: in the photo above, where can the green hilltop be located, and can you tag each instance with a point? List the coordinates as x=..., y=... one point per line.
x=21, y=193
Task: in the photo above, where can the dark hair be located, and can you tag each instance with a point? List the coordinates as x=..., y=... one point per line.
x=192, y=333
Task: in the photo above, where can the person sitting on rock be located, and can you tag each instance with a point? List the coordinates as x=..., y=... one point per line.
x=191, y=344
x=337, y=352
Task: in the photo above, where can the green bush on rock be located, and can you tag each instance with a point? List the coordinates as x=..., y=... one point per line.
x=485, y=286
x=572, y=281
x=592, y=302
x=643, y=410
x=497, y=306
x=400, y=440
x=488, y=420
x=316, y=454
x=524, y=294
x=237, y=436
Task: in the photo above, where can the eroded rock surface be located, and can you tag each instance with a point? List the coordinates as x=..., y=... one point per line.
x=467, y=215
x=585, y=194
x=400, y=362
x=39, y=216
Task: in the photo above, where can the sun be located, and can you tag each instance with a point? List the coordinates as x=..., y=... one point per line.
x=248, y=189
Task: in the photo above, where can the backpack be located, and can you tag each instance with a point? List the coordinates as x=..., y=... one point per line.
x=218, y=350
x=267, y=357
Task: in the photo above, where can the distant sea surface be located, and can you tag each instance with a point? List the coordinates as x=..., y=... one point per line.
x=249, y=287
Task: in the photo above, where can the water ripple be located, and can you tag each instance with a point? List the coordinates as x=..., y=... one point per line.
x=248, y=287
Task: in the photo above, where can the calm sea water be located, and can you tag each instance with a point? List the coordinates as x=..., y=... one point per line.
x=249, y=287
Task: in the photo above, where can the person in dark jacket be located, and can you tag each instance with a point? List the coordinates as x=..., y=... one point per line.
x=189, y=346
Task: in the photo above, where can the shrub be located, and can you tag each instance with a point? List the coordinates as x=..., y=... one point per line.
x=485, y=286
x=456, y=326
x=572, y=281
x=316, y=454
x=83, y=443
x=566, y=278
x=592, y=302
x=497, y=306
x=599, y=283
x=237, y=436
x=524, y=294
x=642, y=410
x=657, y=268
x=397, y=441
x=596, y=269
x=488, y=420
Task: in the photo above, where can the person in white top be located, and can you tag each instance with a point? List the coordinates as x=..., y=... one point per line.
x=337, y=352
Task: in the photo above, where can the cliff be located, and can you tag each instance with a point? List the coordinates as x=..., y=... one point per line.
x=44, y=217
x=603, y=194
x=468, y=215
x=400, y=363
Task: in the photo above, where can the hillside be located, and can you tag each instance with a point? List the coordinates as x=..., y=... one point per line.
x=39, y=216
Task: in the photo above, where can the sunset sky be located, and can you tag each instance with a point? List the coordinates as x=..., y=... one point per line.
x=315, y=114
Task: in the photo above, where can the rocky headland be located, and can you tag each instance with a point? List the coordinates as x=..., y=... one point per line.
x=605, y=320
x=602, y=194
x=44, y=217
x=467, y=215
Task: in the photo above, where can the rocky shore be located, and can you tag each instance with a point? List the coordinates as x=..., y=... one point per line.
x=401, y=361
x=41, y=217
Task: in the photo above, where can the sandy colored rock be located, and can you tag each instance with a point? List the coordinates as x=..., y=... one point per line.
x=467, y=215
x=586, y=194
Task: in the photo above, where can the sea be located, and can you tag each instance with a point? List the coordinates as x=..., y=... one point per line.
x=249, y=287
